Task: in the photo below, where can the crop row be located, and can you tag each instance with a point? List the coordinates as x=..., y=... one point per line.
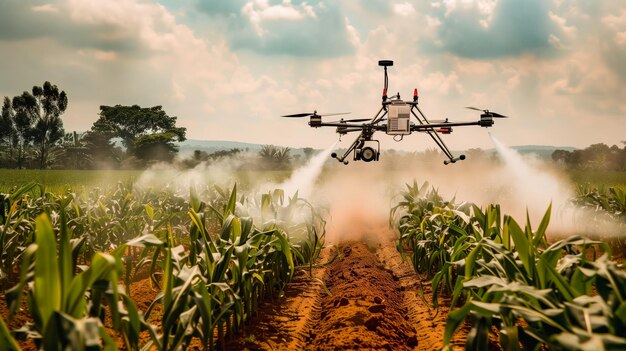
x=537, y=294
x=213, y=255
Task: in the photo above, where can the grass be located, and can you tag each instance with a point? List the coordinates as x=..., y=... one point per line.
x=58, y=181
x=599, y=179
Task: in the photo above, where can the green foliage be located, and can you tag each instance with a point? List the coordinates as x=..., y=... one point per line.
x=609, y=201
x=67, y=305
x=275, y=157
x=33, y=119
x=596, y=157
x=510, y=278
x=146, y=133
x=214, y=255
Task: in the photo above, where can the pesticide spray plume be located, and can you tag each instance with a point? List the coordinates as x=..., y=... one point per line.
x=303, y=179
x=536, y=185
x=358, y=198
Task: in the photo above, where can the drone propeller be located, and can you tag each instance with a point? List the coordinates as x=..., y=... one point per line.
x=351, y=120
x=489, y=113
x=314, y=113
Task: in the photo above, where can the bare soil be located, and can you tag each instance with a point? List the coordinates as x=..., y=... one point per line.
x=367, y=298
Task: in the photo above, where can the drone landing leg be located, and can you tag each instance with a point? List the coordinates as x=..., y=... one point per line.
x=350, y=149
x=437, y=139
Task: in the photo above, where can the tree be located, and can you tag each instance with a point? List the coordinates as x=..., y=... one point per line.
x=100, y=147
x=24, y=114
x=155, y=147
x=7, y=128
x=73, y=152
x=48, y=126
x=37, y=118
x=562, y=156
x=146, y=133
x=274, y=156
x=308, y=152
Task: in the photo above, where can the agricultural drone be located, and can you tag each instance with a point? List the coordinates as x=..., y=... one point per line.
x=393, y=118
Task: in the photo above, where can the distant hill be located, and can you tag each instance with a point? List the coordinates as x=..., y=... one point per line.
x=215, y=145
x=188, y=146
x=543, y=151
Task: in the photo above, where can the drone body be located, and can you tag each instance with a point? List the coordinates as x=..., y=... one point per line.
x=397, y=115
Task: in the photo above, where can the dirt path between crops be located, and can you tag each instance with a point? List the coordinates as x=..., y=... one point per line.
x=374, y=303
x=365, y=298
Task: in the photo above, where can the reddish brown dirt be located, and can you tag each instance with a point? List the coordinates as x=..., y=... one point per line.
x=365, y=309
x=374, y=304
x=20, y=318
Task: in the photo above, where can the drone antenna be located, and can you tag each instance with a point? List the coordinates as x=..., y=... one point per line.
x=386, y=78
x=385, y=64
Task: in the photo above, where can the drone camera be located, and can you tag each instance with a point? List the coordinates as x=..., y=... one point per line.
x=369, y=151
x=367, y=154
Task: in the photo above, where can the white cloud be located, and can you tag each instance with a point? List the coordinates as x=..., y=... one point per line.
x=404, y=9
x=99, y=54
x=259, y=11
x=46, y=8
x=353, y=34
x=620, y=38
x=486, y=7
x=615, y=22
x=561, y=23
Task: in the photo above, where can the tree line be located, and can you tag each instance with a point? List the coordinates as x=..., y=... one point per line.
x=596, y=157
x=32, y=134
x=129, y=137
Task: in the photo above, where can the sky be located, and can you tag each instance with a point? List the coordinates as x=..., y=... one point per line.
x=228, y=69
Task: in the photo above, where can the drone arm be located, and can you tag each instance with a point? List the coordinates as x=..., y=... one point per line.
x=432, y=126
x=378, y=117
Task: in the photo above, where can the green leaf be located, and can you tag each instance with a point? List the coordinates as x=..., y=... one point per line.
x=523, y=246
x=47, y=289
x=6, y=339
x=540, y=234
x=455, y=318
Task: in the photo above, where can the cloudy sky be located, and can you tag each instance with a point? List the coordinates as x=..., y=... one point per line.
x=229, y=68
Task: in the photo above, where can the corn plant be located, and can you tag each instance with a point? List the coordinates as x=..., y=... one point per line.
x=213, y=259
x=216, y=284
x=66, y=301
x=16, y=211
x=607, y=205
x=509, y=277
x=555, y=302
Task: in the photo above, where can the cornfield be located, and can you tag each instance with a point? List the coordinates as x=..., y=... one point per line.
x=564, y=295
x=213, y=254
